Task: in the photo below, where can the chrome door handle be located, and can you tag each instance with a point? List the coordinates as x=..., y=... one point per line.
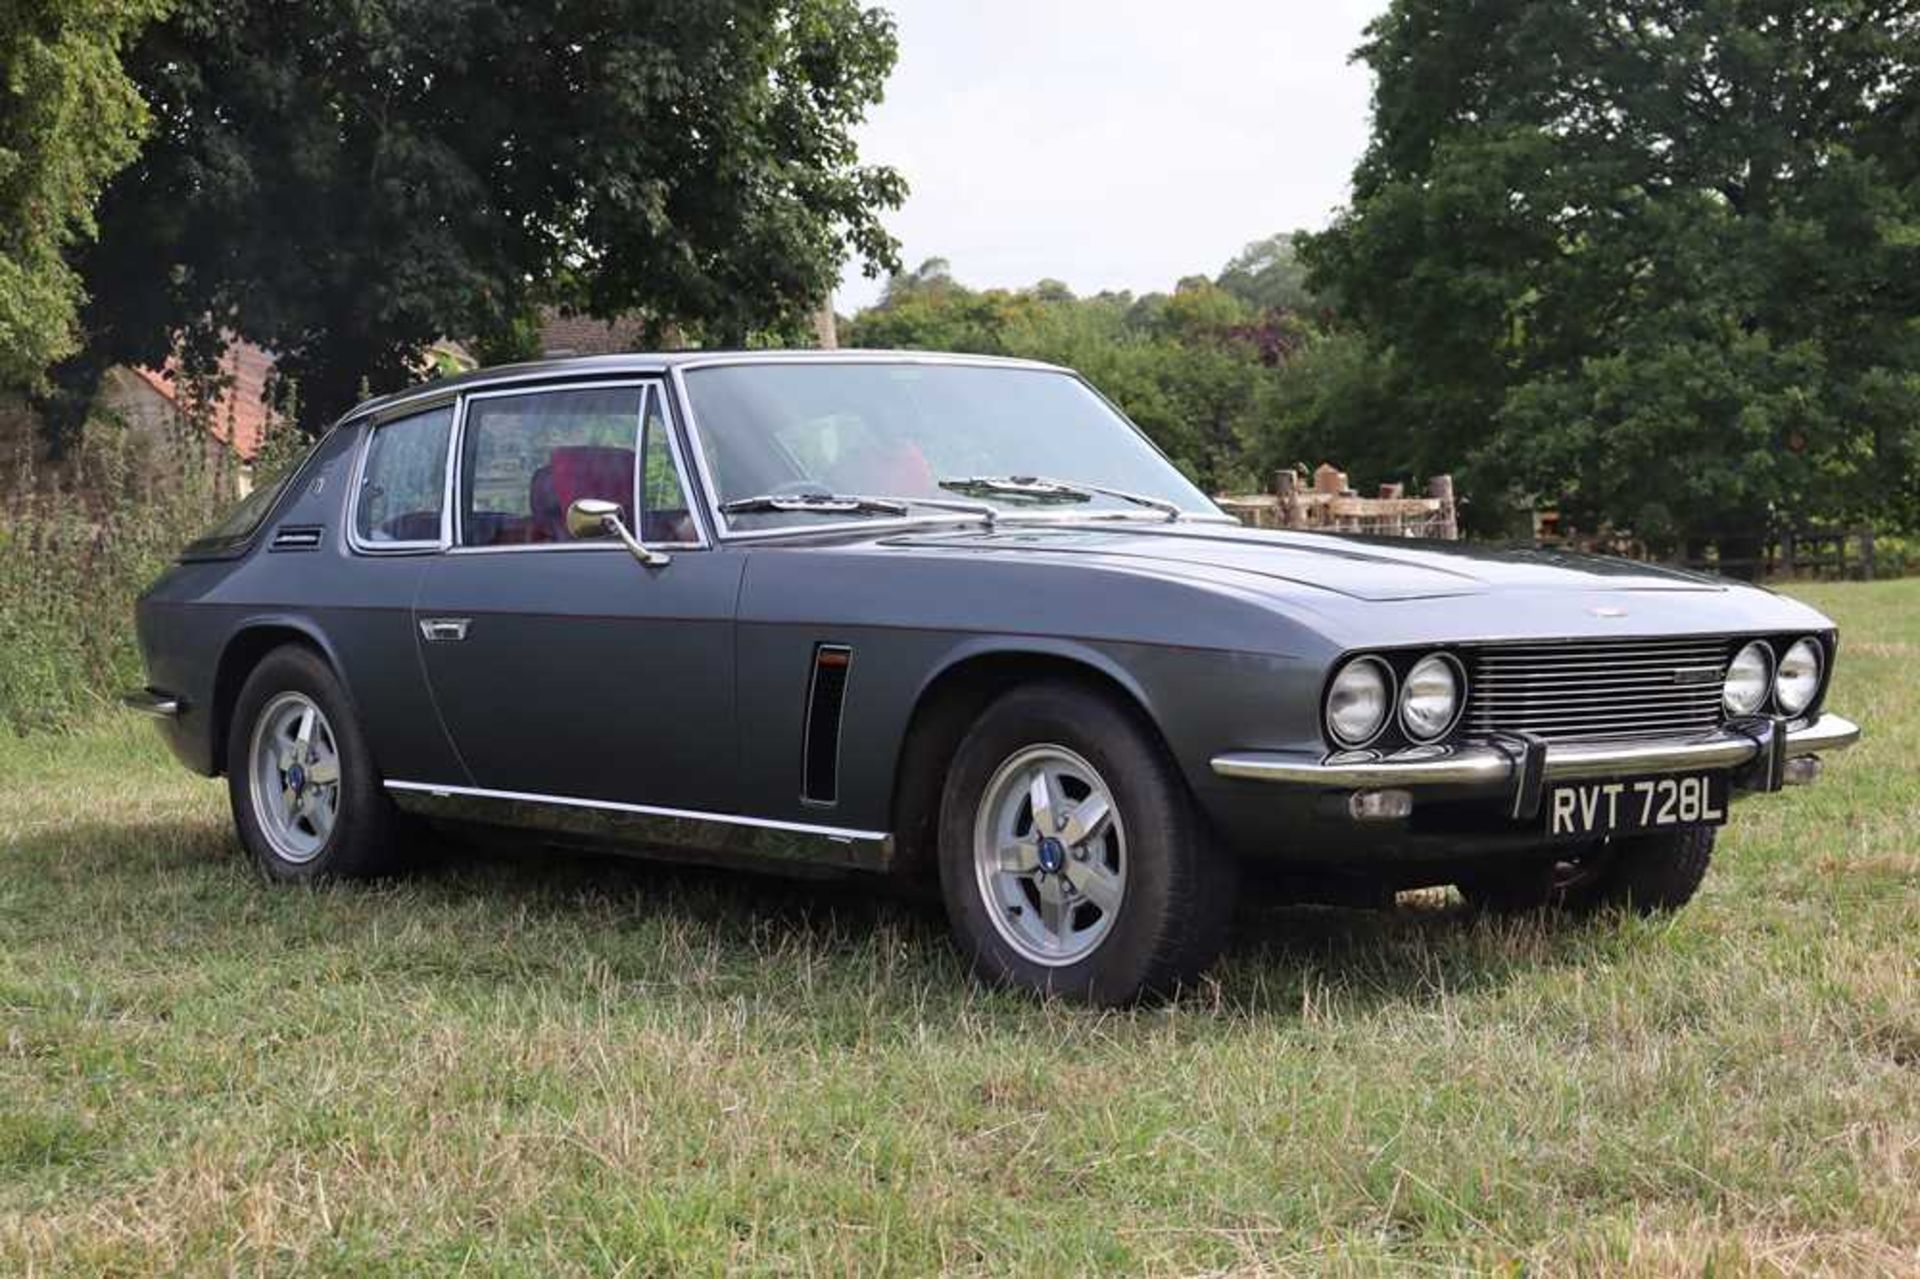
x=438, y=629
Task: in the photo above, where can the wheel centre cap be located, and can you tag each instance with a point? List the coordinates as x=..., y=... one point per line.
x=1053, y=855
x=297, y=777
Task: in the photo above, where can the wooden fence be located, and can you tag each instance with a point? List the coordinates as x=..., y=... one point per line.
x=1329, y=505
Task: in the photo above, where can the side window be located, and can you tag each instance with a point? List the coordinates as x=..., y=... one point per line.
x=528, y=457
x=404, y=482
x=663, y=502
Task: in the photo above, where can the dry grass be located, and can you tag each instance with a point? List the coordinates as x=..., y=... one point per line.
x=533, y=1064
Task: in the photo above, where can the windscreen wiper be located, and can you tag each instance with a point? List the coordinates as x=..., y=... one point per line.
x=1040, y=488
x=839, y=504
x=813, y=504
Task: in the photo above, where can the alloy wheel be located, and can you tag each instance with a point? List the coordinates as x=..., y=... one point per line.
x=1050, y=855
x=294, y=773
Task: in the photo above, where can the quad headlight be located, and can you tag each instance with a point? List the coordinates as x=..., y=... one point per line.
x=1430, y=698
x=1798, y=678
x=1359, y=701
x=1749, y=679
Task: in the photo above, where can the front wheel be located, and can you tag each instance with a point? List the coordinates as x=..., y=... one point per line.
x=1071, y=860
x=1649, y=874
x=306, y=800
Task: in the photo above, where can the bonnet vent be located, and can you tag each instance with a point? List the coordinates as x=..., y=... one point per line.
x=297, y=537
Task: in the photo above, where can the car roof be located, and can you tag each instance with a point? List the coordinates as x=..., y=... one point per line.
x=597, y=366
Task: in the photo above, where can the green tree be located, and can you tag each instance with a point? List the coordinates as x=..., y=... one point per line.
x=1196, y=368
x=1268, y=275
x=69, y=119
x=1655, y=260
x=344, y=181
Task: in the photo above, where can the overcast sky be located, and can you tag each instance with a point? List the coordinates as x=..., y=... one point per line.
x=1113, y=144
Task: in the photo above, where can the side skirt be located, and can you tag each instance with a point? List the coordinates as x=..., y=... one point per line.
x=644, y=827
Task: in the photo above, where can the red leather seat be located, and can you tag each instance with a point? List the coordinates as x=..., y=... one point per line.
x=574, y=472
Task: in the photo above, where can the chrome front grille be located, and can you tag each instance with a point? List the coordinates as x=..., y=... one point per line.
x=1598, y=688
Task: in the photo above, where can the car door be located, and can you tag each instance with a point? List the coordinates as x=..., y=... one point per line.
x=563, y=668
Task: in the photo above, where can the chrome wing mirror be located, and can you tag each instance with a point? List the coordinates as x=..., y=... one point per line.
x=597, y=517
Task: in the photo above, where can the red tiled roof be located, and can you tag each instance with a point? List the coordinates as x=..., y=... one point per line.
x=240, y=413
x=584, y=335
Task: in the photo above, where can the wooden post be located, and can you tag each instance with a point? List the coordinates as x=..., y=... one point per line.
x=1786, y=552
x=1440, y=487
x=1286, y=491
x=1866, y=553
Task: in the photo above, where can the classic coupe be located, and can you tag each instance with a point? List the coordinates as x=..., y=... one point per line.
x=957, y=621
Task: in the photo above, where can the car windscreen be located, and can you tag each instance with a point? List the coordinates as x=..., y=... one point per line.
x=901, y=429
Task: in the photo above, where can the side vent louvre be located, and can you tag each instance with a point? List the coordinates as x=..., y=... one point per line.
x=826, y=696
x=297, y=537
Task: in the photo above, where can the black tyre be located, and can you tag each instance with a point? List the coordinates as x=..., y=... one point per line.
x=1071, y=859
x=306, y=799
x=1650, y=874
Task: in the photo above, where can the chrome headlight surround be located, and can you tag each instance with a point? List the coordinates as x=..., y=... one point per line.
x=1796, y=679
x=1749, y=680
x=1364, y=679
x=1424, y=681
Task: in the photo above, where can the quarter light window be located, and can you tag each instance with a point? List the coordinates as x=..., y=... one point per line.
x=530, y=457
x=404, y=483
x=664, y=514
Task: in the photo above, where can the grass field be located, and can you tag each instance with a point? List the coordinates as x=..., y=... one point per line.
x=537, y=1064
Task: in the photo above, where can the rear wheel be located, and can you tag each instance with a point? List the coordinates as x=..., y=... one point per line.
x=1650, y=874
x=1071, y=860
x=305, y=798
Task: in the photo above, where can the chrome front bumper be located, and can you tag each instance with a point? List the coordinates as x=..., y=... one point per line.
x=1757, y=747
x=149, y=702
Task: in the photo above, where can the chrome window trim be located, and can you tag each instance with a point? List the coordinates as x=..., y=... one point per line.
x=521, y=377
x=676, y=374
x=838, y=833
x=646, y=364
x=649, y=386
x=691, y=491
x=368, y=428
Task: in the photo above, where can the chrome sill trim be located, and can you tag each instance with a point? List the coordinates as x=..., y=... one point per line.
x=838, y=833
x=1475, y=766
x=148, y=702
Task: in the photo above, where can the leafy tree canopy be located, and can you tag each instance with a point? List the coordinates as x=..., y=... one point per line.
x=344, y=181
x=1268, y=275
x=1658, y=260
x=69, y=118
x=1200, y=369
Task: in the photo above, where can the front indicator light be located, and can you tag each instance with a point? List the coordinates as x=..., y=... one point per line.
x=1380, y=805
x=1748, y=680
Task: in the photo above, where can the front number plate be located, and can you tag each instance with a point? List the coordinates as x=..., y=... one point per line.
x=1581, y=809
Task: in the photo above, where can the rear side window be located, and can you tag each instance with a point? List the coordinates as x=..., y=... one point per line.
x=531, y=456
x=403, y=485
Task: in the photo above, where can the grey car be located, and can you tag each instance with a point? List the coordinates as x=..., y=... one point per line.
x=955, y=621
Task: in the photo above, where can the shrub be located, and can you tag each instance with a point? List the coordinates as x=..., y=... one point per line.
x=77, y=546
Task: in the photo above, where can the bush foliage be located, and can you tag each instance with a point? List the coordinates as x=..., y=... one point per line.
x=76, y=549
